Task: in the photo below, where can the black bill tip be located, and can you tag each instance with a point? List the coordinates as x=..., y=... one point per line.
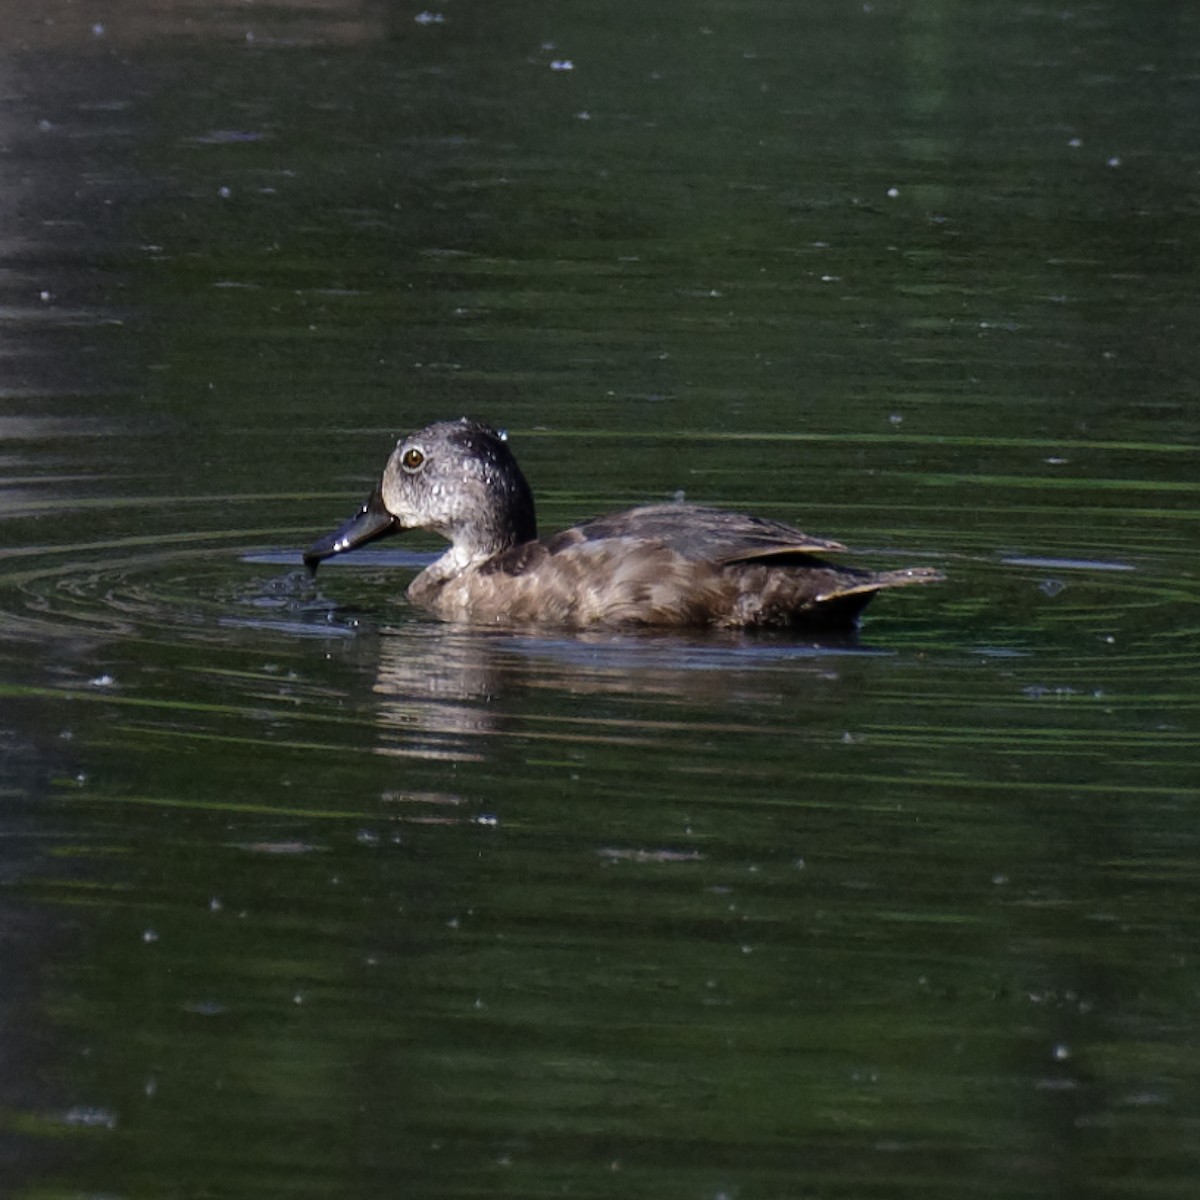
x=370, y=522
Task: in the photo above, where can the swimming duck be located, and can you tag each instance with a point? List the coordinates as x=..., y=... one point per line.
x=661, y=565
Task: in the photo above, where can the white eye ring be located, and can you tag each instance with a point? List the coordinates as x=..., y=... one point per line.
x=413, y=460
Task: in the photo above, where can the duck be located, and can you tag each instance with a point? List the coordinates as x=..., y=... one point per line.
x=660, y=565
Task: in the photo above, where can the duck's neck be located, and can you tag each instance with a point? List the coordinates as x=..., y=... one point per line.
x=478, y=540
x=501, y=515
x=473, y=547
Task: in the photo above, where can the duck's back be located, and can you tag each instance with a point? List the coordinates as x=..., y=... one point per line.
x=668, y=564
x=701, y=534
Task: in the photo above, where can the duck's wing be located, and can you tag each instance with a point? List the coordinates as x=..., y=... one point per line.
x=700, y=534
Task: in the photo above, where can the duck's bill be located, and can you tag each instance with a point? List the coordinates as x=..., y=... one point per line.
x=370, y=522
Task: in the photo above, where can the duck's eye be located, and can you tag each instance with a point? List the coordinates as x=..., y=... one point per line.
x=412, y=459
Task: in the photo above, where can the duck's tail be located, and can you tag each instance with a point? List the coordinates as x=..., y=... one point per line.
x=843, y=603
x=870, y=584
x=904, y=576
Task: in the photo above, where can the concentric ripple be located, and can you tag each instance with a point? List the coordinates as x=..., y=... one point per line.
x=148, y=587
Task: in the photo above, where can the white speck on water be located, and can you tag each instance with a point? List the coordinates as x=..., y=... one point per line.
x=1051, y=587
x=149, y=936
x=98, y=29
x=489, y=820
x=45, y=297
x=893, y=192
x=430, y=18
x=896, y=418
x=215, y=905
x=831, y=279
x=150, y=1088
x=583, y=116
x=1000, y=879
x=1109, y=640
x=562, y=64
x=298, y=998
x=1114, y=162
x=1075, y=143
x=102, y=681
x=224, y=192
x=1062, y=1052
x=90, y=1117
x=1055, y=461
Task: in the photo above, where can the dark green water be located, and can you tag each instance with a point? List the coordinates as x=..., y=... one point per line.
x=302, y=894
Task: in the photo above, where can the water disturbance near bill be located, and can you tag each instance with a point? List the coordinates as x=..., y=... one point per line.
x=304, y=893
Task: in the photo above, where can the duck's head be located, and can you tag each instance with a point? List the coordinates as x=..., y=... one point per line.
x=457, y=478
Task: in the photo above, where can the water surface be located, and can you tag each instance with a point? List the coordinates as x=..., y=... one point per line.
x=305, y=894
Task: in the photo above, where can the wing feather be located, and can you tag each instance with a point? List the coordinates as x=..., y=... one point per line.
x=701, y=534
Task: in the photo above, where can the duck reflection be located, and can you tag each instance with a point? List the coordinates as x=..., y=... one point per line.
x=434, y=684
x=444, y=690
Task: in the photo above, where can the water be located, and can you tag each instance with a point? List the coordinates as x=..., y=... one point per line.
x=306, y=895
